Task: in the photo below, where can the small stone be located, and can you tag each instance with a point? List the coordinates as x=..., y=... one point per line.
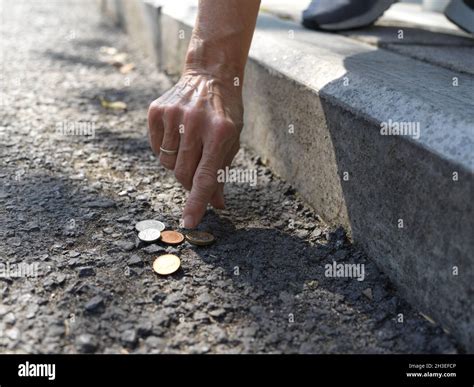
x=3, y=310
x=155, y=342
x=153, y=249
x=250, y=331
x=9, y=319
x=56, y=331
x=172, y=299
x=73, y=262
x=125, y=245
x=217, y=333
x=199, y=316
x=129, y=338
x=368, y=293
x=217, y=312
x=302, y=234
x=86, y=271
x=279, y=224
x=31, y=310
x=135, y=260
x=94, y=304
x=86, y=343
x=77, y=177
x=13, y=334
x=313, y=284
x=108, y=230
x=74, y=254
x=203, y=299
x=60, y=278
x=199, y=348
x=31, y=226
x=145, y=329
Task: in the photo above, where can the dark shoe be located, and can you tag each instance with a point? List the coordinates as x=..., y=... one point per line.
x=461, y=13
x=337, y=15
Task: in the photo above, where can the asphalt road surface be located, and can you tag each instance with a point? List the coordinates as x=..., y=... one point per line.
x=69, y=204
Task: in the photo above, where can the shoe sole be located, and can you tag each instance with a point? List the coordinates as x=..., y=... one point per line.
x=356, y=22
x=461, y=15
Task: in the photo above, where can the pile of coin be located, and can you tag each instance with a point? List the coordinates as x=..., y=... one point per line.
x=150, y=231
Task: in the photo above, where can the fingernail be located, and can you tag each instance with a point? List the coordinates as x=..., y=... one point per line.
x=188, y=221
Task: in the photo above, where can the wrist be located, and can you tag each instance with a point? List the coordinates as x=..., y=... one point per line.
x=205, y=58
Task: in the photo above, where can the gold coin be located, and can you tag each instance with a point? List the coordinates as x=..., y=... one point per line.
x=200, y=238
x=172, y=237
x=166, y=264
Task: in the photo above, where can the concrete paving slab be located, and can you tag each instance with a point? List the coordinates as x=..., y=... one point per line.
x=460, y=59
x=415, y=16
x=403, y=28
x=402, y=14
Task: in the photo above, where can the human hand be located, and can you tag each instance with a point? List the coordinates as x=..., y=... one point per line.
x=201, y=119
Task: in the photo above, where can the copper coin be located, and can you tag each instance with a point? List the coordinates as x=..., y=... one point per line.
x=172, y=237
x=200, y=238
x=166, y=264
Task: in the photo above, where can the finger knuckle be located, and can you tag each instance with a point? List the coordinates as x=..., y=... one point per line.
x=224, y=128
x=205, y=178
x=155, y=111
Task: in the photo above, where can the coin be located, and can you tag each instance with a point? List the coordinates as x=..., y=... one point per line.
x=200, y=238
x=149, y=235
x=166, y=264
x=144, y=224
x=172, y=237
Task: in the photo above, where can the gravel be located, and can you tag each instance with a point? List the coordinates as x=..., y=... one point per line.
x=85, y=343
x=86, y=271
x=69, y=203
x=94, y=304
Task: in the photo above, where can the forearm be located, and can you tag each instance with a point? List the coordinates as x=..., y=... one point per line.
x=221, y=37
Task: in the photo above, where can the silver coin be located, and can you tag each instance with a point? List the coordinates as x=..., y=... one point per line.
x=144, y=224
x=149, y=235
